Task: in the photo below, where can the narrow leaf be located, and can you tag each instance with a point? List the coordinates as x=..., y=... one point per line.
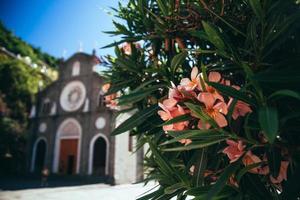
x=285, y=93
x=178, y=60
x=221, y=182
x=213, y=36
x=135, y=120
x=180, y=118
x=256, y=7
x=195, y=145
x=268, y=119
x=232, y=92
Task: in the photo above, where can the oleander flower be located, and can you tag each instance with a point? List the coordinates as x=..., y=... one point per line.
x=234, y=150
x=191, y=84
x=215, y=109
x=185, y=141
x=170, y=111
x=179, y=93
x=209, y=90
x=126, y=47
x=282, y=173
x=250, y=159
x=110, y=100
x=240, y=109
x=106, y=87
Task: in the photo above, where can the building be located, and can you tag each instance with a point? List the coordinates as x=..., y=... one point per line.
x=70, y=127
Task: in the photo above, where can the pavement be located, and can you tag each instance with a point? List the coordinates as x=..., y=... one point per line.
x=84, y=192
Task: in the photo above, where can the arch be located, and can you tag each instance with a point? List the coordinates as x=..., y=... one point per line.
x=34, y=152
x=70, y=128
x=76, y=68
x=91, y=153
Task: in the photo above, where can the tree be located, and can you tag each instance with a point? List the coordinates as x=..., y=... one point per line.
x=215, y=84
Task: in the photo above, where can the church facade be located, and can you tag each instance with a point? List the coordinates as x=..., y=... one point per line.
x=70, y=128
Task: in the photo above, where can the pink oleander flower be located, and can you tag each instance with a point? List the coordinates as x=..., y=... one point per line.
x=240, y=109
x=191, y=84
x=106, y=87
x=250, y=159
x=110, y=100
x=185, y=141
x=126, y=47
x=232, y=181
x=213, y=109
x=235, y=150
x=170, y=111
x=209, y=90
x=282, y=173
x=179, y=93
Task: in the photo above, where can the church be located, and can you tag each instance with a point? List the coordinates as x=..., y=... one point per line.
x=70, y=128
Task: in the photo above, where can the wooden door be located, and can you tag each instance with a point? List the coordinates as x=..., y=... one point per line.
x=68, y=156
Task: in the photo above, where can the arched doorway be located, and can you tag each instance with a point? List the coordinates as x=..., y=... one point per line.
x=99, y=155
x=39, y=155
x=67, y=147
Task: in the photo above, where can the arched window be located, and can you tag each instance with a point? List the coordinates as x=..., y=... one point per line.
x=76, y=68
x=46, y=106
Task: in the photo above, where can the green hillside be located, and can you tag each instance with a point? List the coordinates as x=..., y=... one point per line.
x=16, y=45
x=23, y=71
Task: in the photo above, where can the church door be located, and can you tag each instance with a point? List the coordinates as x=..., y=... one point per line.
x=40, y=156
x=99, y=157
x=68, y=156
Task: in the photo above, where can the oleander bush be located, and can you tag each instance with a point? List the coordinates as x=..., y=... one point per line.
x=215, y=89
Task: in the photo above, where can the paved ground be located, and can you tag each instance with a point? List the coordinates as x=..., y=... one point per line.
x=86, y=192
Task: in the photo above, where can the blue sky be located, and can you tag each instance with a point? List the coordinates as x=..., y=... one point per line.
x=60, y=26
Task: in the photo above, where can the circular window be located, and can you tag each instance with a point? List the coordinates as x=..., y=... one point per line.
x=72, y=96
x=42, y=127
x=100, y=123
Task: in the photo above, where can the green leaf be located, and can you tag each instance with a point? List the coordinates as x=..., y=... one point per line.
x=127, y=64
x=156, y=193
x=199, y=191
x=268, y=119
x=165, y=167
x=135, y=120
x=251, y=184
x=200, y=166
x=173, y=188
x=178, y=60
x=257, y=8
x=213, y=36
x=211, y=134
x=196, y=145
x=121, y=28
x=162, y=7
x=180, y=118
x=221, y=182
x=246, y=169
x=137, y=96
x=232, y=92
x=287, y=93
x=199, y=34
x=274, y=160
